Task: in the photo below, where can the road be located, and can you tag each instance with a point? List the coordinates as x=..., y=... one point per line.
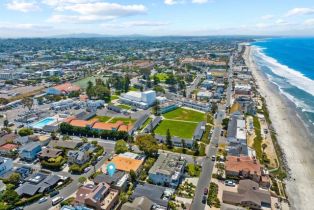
x=194, y=85
x=208, y=164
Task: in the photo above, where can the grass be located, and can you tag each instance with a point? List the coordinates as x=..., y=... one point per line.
x=185, y=114
x=84, y=82
x=162, y=76
x=257, y=145
x=179, y=129
x=103, y=118
x=114, y=97
x=193, y=170
x=146, y=123
x=123, y=106
x=133, y=89
x=123, y=119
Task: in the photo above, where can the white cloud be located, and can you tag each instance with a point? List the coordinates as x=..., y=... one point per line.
x=199, y=1
x=300, y=11
x=172, y=2
x=267, y=17
x=145, y=23
x=22, y=6
x=309, y=22
x=106, y=9
x=79, y=18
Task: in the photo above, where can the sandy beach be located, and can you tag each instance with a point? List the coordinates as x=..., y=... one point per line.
x=293, y=138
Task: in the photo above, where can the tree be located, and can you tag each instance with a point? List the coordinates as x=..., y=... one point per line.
x=84, y=140
x=28, y=102
x=90, y=89
x=264, y=146
x=14, y=178
x=168, y=139
x=25, y=132
x=10, y=196
x=148, y=144
x=53, y=135
x=82, y=179
x=6, y=123
x=156, y=108
x=183, y=143
x=121, y=147
x=4, y=206
x=196, y=148
x=156, y=80
x=133, y=176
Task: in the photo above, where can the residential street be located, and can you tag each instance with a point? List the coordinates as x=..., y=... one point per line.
x=208, y=164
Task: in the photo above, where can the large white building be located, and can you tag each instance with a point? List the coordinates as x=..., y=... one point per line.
x=142, y=100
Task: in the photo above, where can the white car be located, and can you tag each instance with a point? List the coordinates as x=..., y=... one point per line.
x=43, y=199
x=87, y=169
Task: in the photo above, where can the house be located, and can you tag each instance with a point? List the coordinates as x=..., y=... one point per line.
x=30, y=151
x=99, y=197
x=63, y=89
x=126, y=164
x=139, y=203
x=48, y=153
x=78, y=157
x=236, y=132
x=141, y=100
x=117, y=181
x=65, y=144
x=243, y=167
x=167, y=170
x=249, y=195
x=158, y=195
x=24, y=171
x=6, y=164
x=38, y=183
x=8, y=149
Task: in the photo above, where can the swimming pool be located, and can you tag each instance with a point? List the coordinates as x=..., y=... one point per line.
x=40, y=124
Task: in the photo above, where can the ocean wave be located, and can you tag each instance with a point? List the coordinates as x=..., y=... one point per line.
x=298, y=103
x=292, y=76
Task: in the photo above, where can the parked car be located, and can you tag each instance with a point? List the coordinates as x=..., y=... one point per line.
x=213, y=158
x=99, y=158
x=43, y=199
x=53, y=193
x=230, y=183
x=204, y=199
x=87, y=169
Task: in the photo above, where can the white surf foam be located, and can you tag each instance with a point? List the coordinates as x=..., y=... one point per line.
x=292, y=76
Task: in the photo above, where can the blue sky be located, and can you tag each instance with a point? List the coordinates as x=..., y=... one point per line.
x=28, y=18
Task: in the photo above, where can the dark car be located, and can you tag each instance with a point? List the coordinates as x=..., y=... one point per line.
x=53, y=193
x=204, y=199
x=205, y=191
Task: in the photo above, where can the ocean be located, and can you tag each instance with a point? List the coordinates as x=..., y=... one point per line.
x=289, y=64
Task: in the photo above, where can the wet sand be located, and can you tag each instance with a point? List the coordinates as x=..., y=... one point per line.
x=293, y=138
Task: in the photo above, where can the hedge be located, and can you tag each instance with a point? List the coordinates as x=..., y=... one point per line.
x=29, y=200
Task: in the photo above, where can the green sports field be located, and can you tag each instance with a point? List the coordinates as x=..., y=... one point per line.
x=177, y=128
x=185, y=115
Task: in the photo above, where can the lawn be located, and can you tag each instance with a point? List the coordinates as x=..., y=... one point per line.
x=123, y=119
x=114, y=97
x=146, y=123
x=179, y=129
x=123, y=106
x=185, y=114
x=84, y=82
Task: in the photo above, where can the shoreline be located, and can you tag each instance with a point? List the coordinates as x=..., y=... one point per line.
x=293, y=138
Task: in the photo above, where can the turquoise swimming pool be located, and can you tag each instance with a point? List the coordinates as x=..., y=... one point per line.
x=40, y=124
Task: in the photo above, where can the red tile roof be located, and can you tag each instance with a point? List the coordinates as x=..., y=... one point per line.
x=242, y=163
x=9, y=146
x=67, y=87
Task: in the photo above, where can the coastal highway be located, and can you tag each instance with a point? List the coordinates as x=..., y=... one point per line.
x=208, y=164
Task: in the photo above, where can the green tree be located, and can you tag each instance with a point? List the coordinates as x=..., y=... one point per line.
x=10, y=197
x=264, y=146
x=148, y=144
x=14, y=178
x=25, y=132
x=28, y=102
x=156, y=80
x=168, y=139
x=196, y=148
x=90, y=92
x=82, y=179
x=6, y=123
x=133, y=176
x=121, y=147
x=4, y=206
